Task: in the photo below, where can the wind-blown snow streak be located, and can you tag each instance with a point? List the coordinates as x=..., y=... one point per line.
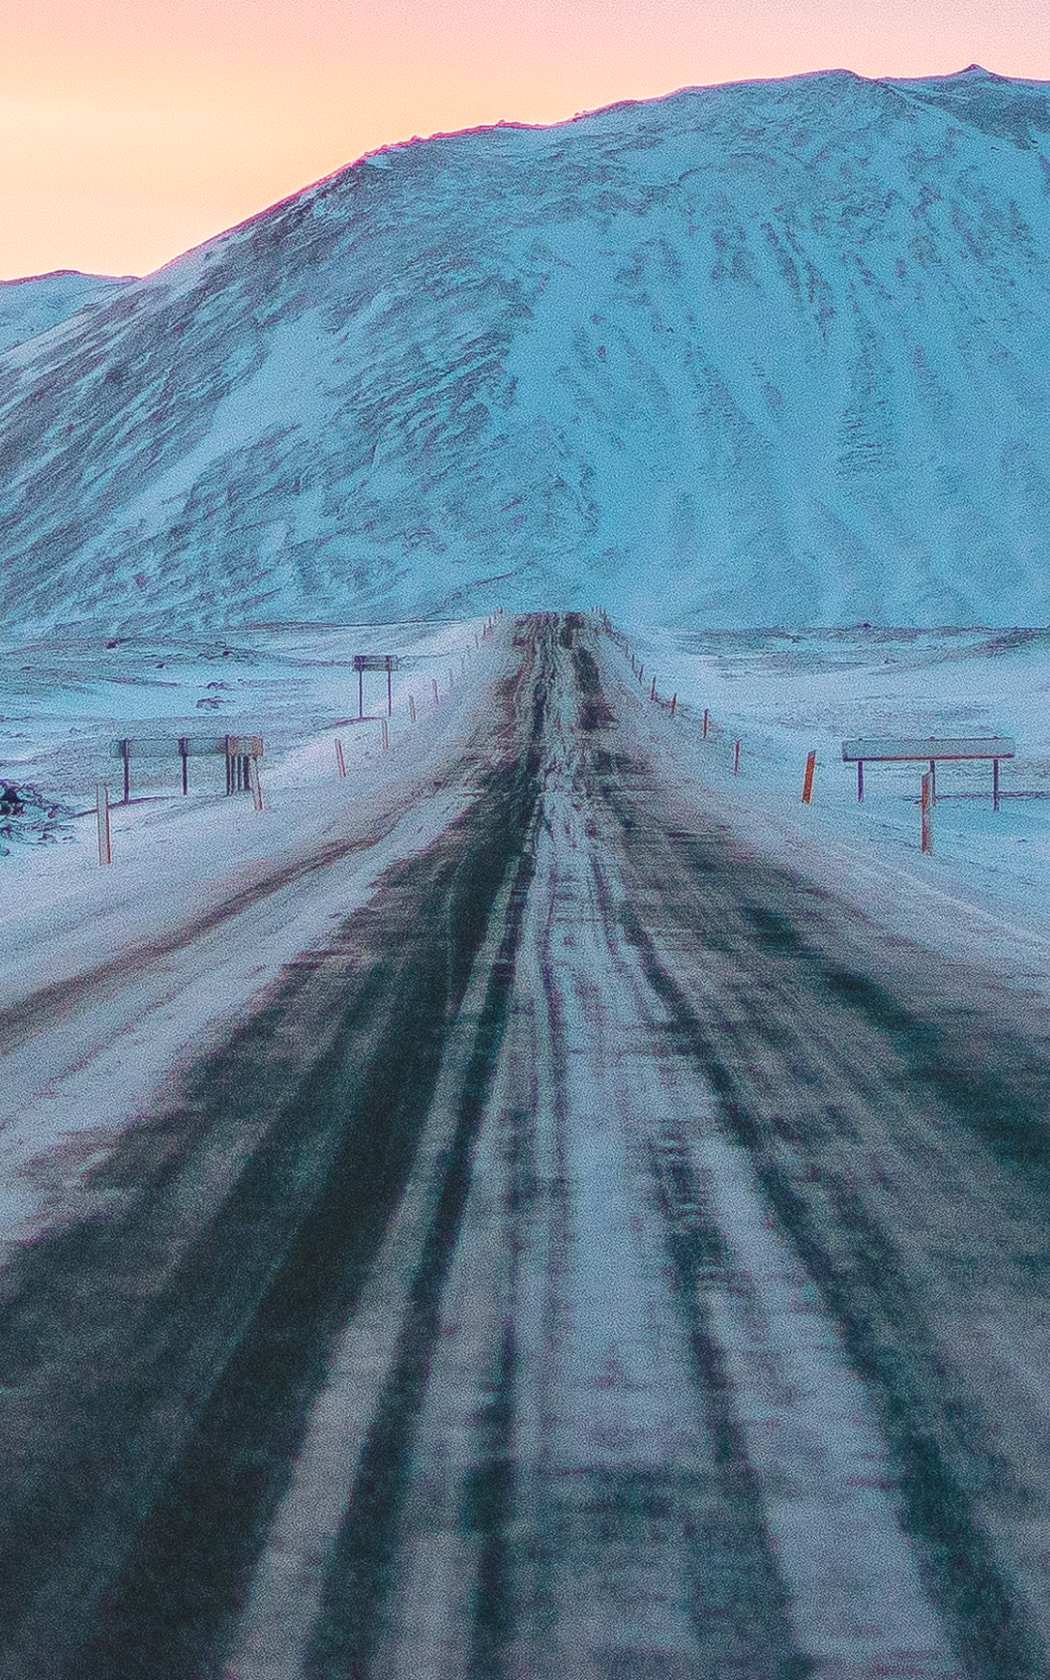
x=776, y=352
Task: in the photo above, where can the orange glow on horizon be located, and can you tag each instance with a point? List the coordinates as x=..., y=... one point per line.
x=133, y=129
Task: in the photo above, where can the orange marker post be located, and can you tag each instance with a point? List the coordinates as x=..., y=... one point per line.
x=807, y=779
x=926, y=814
x=105, y=836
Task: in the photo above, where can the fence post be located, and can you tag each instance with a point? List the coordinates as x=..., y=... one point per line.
x=105, y=838
x=707, y=721
x=736, y=758
x=995, y=784
x=926, y=813
x=652, y=691
x=125, y=753
x=386, y=735
x=674, y=703
x=340, y=758
x=185, y=756
x=641, y=672
x=256, y=785
x=807, y=779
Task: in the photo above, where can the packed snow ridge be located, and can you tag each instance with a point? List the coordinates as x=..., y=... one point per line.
x=768, y=353
x=40, y=301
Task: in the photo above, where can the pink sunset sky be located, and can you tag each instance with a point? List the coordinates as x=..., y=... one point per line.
x=132, y=129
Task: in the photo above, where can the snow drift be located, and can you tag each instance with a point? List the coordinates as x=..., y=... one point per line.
x=768, y=353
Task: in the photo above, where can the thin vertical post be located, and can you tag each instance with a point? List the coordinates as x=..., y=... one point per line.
x=125, y=753
x=360, y=693
x=652, y=691
x=229, y=766
x=184, y=755
x=707, y=722
x=736, y=758
x=340, y=758
x=926, y=803
x=933, y=781
x=105, y=837
x=386, y=735
x=995, y=784
x=674, y=703
x=807, y=779
x=641, y=672
x=256, y=785
x=389, y=688
x=434, y=682
x=860, y=780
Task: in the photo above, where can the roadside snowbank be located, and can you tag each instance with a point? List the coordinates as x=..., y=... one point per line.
x=983, y=894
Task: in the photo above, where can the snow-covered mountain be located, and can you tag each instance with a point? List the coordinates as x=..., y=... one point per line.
x=40, y=301
x=768, y=353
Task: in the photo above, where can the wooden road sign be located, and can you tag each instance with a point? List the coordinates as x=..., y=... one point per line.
x=238, y=751
x=889, y=749
x=388, y=662
x=931, y=749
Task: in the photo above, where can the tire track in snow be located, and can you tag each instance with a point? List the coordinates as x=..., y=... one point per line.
x=139, y=1510
x=889, y=1346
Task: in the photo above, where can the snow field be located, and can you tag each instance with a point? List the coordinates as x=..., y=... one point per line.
x=782, y=694
x=178, y=863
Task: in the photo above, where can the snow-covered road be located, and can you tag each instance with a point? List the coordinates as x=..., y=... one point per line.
x=600, y=1254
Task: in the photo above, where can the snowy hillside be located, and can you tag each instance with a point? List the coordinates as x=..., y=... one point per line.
x=774, y=352
x=41, y=301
